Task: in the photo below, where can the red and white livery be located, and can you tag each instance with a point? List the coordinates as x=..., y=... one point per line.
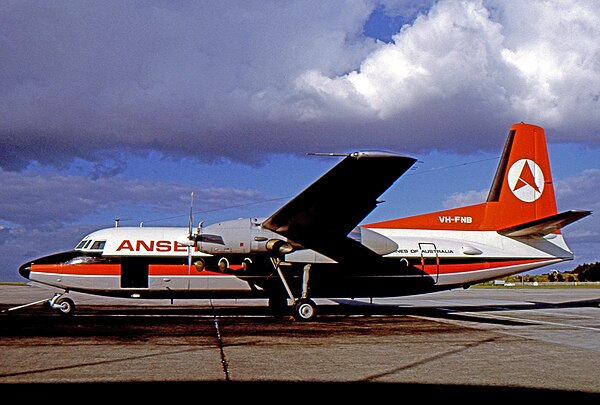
x=314, y=247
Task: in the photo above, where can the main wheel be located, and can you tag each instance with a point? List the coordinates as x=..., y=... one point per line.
x=305, y=309
x=65, y=306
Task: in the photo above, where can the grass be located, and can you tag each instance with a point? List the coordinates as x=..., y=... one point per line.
x=541, y=285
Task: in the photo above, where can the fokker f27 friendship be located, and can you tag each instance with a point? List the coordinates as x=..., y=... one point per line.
x=314, y=247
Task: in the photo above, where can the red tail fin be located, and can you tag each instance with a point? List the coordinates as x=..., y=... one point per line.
x=521, y=191
x=523, y=182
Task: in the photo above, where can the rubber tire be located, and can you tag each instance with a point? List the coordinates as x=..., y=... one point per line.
x=305, y=310
x=66, y=306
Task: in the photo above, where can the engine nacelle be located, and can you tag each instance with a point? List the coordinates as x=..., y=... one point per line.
x=241, y=236
x=280, y=246
x=376, y=242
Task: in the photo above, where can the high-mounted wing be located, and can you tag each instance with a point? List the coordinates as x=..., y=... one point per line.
x=321, y=217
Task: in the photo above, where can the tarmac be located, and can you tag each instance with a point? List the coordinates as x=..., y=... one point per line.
x=500, y=342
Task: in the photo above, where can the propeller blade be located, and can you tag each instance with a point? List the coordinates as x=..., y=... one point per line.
x=191, y=217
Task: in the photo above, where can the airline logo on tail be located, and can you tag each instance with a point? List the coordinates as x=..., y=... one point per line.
x=526, y=180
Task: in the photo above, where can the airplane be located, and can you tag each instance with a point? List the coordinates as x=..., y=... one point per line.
x=314, y=246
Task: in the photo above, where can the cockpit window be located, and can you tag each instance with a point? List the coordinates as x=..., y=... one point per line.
x=89, y=260
x=99, y=244
x=80, y=245
x=84, y=260
x=87, y=244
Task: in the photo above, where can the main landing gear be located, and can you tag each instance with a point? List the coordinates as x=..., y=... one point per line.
x=303, y=308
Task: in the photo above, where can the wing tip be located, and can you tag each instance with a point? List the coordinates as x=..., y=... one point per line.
x=377, y=154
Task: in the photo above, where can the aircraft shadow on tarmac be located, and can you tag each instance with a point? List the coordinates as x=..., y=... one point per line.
x=460, y=312
x=340, y=308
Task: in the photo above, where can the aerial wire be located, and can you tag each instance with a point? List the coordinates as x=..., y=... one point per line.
x=414, y=172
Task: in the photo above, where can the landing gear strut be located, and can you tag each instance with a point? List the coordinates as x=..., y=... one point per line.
x=303, y=309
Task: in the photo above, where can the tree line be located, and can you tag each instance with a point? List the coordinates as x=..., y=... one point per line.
x=583, y=272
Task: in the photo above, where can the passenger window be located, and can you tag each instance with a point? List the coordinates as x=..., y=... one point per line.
x=99, y=244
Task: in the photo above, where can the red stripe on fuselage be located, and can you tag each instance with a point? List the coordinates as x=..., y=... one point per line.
x=79, y=269
x=432, y=268
x=180, y=270
x=86, y=269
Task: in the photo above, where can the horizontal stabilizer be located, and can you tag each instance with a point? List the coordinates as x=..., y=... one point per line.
x=545, y=226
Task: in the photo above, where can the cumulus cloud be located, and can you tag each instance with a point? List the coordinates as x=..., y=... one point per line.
x=466, y=198
x=483, y=60
x=244, y=80
x=449, y=51
x=78, y=78
x=582, y=192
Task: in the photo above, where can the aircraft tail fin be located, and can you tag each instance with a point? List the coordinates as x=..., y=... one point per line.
x=522, y=186
x=520, y=201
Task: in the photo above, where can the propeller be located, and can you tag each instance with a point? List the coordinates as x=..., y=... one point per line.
x=192, y=236
x=189, y=247
x=191, y=216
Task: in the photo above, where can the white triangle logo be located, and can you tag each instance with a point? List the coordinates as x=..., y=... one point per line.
x=526, y=180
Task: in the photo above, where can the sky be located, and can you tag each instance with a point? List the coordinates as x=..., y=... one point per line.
x=122, y=109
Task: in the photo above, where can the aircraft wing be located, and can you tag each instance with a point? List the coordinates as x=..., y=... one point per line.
x=321, y=216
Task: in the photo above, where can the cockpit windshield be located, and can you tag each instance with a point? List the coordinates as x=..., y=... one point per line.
x=81, y=244
x=84, y=260
x=98, y=245
x=95, y=245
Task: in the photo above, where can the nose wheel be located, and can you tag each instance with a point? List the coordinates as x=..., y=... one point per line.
x=65, y=306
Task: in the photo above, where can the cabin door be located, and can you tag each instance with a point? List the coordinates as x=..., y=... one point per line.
x=430, y=261
x=134, y=272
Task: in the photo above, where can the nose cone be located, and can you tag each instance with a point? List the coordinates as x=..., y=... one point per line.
x=25, y=269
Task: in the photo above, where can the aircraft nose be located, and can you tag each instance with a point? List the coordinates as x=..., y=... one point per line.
x=25, y=269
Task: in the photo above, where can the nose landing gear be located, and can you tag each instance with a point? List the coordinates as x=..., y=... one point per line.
x=64, y=305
